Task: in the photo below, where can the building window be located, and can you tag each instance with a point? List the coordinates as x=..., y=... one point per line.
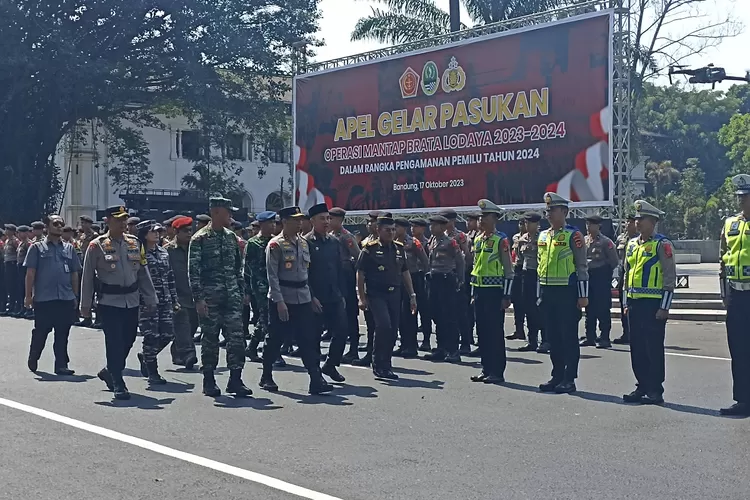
x=278, y=152
x=235, y=147
x=274, y=202
x=191, y=147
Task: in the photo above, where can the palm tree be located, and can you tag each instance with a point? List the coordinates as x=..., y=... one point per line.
x=660, y=175
x=403, y=21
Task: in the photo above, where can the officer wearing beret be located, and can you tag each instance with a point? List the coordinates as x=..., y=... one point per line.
x=325, y=277
x=735, y=287
x=256, y=281
x=349, y=256
x=447, y=267
x=650, y=278
x=132, y=223
x=24, y=242
x=527, y=279
x=10, y=260
x=382, y=276
x=215, y=270
x=465, y=326
x=290, y=303
x=622, y=243
x=201, y=221
x=563, y=279
x=491, y=286
x=37, y=231
x=186, y=317
x=372, y=235
x=519, y=313
x=602, y=261
x=419, y=282
x=117, y=261
x=416, y=261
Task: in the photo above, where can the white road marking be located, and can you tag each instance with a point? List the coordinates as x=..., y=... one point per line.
x=697, y=356
x=254, y=477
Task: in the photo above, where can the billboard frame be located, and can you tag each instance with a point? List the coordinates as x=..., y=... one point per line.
x=620, y=61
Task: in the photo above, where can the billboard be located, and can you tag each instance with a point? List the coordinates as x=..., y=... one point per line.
x=506, y=117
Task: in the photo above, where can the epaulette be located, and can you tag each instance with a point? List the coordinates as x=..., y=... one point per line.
x=372, y=243
x=503, y=235
x=571, y=227
x=398, y=242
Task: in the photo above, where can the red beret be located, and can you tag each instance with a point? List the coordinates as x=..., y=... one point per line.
x=181, y=222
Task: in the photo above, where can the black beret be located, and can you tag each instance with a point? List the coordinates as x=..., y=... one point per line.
x=337, y=212
x=24, y=229
x=374, y=214
x=400, y=221
x=37, y=225
x=68, y=229
x=419, y=222
x=473, y=215
x=134, y=220
x=203, y=218
x=237, y=225
x=86, y=218
x=532, y=216
x=449, y=214
x=595, y=219
x=439, y=219
x=255, y=223
x=11, y=227
x=314, y=210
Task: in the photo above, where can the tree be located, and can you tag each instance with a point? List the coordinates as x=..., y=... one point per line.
x=661, y=175
x=66, y=62
x=404, y=21
x=735, y=136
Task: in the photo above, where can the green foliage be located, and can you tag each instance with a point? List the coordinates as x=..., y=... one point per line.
x=735, y=136
x=65, y=62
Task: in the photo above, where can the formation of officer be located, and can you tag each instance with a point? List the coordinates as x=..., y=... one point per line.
x=256, y=280
x=348, y=279
x=622, y=242
x=417, y=263
x=602, y=261
x=527, y=280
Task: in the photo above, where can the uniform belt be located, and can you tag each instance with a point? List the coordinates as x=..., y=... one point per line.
x=740, y=286
x=442, y=275
x=380, y=288
x=293, y=284
x=117, y=289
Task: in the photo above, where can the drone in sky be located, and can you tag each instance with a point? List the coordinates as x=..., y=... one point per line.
x=708, y=74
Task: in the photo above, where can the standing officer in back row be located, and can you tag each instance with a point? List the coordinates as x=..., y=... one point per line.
x=735, y=288
x=650, y=277
x=491, y=288
x=602, y=261
x=622, y=244
x=564, y=287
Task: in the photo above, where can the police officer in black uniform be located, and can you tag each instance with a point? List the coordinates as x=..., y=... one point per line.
x=372, y=234
x=382, y=276
x=324, y=278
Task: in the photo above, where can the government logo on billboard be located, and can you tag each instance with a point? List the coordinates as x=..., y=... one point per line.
x=409, y=83
x=429, y=78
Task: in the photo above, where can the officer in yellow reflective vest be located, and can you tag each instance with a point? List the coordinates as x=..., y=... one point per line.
x=563, y=292
x=650, y=276
x=735, y=281
x=491, y=286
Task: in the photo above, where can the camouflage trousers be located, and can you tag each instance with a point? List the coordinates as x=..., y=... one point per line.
x=224, y=313
x=261, y=328
x=157, y=328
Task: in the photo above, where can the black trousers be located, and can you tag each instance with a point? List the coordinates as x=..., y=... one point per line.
x=600, y=302
x=11, y=286
x=519, y=312
x=349, y=289
x=466, y=318
x=385, y=309
x=301, y=325
x=559, y=306
x=490, y=318
x=647, y=344
x=370, y=323
x=443, y=299
x=333, y=318
x=624, y=319
x=3, y=291
x=51, y=315
x=120, y=327
x=738, y=338
x=21, y=284
x=527, y=284
x=408, y=321
x=246, y=320
x=419, y=282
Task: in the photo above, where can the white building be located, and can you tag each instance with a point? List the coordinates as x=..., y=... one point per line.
x=87, y=187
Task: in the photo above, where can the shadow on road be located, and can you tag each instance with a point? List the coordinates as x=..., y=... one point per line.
x=51, y=377
x=332, y=398
x=137, y=401
x=172, y=388
x=410, y=382
x=680, y=349
x=411, y=371
x=254, y=403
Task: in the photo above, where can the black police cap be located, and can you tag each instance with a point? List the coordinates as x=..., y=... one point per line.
x=337, y=212
x=314, y=210
x=449, y=214
x=400, y=221
x=438, y=219
x=532, y=216
x=594, y=219
x=374, y=214
x=420, y=222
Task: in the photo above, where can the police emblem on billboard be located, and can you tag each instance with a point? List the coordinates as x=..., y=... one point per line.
x=454, y=78
x=409, y=83
x=430, y=78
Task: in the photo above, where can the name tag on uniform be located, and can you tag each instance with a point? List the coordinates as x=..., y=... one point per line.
x=110, y=257
x=67, y=269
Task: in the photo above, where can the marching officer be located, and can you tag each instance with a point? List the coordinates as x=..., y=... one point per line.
x=349, y=255
x=118, y=262
x=10, y=259
x=290, y=302
x=491, y=285
x=186, y=318
x=446, y=276
x=650, y=277
x=24, y=242
x=372, y=235
x=517, y=298
x=563, y=292
x=382, y=276
x=735, y=281
x=416, y=259
x=133, y=225
x=528, y=280
x=201, y=221
x=419, y=281
x=622, y=243
x=256, y=280
x=602, y=261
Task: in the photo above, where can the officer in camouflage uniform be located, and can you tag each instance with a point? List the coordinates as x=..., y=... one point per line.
x=156, y=326
x=256, y=280
x=215, y=270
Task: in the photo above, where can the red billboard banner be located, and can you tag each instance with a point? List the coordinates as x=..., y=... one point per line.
x=506, y=117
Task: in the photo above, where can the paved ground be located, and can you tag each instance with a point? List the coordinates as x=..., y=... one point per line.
x=431, y=435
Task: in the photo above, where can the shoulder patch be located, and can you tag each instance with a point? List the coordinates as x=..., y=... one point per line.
x=417, y=243
x=398, y=243
x=274, y=245
x=349, y=242
x=667, y=248
x=506, y=245
x=578, y=239
x=371, y=243
x=454, y=243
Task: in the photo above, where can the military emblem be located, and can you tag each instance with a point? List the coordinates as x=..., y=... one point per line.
x=548, y=199
x=409, y=83
x=430, y=78
x=482, y=204
x=454, y=78
x=638, y=206
x=740, y=179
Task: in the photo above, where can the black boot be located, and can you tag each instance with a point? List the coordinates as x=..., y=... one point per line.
x=154, y=378
x=119, y=388
x=106, y=377
x=210, y=388
x=144, y=367
x=364, y=361
x=252, y=351
x=267, y=383
x=236, y=386
x=63, y=370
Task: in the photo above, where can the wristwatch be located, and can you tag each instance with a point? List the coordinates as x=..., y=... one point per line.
x=413, y=295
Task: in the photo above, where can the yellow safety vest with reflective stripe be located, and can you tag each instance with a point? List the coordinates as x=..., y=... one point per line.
x=555, y=257
x=645, y=279
x=737, y=256
x=488, y=266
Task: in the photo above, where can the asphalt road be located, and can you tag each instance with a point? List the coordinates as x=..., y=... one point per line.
x=431, y=435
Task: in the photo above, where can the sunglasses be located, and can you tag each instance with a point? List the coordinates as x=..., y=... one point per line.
x=58, y=223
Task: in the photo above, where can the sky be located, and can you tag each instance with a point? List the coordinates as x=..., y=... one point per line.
x=733, y=54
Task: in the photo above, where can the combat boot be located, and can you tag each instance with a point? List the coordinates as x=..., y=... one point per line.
x=252, y=351
x=236, y=386
x=154, y=378
x=210, y=388
x=120, y=389
x=366, y=360
x=144, y=366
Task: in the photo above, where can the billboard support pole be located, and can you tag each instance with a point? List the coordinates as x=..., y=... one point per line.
x=455, y=14
x=621, y=108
